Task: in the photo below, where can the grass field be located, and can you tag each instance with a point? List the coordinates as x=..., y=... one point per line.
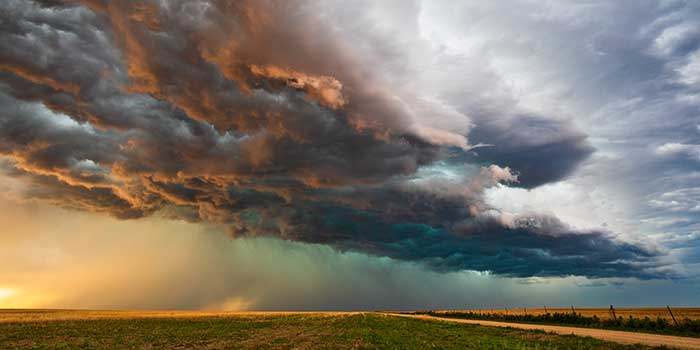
x=181, y=330
x=650, y=320
x=679, y=313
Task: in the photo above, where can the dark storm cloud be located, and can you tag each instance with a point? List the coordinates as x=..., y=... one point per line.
x=484, y=244
x=541, y=150
x=228, y=113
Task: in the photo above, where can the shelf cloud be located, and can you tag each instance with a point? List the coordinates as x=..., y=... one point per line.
x=274, y=119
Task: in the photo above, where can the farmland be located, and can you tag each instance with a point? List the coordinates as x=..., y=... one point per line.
x=682, y=321
x=651, y=312
x=48, y=329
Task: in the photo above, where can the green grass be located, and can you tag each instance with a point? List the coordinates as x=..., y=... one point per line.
x=359, y=331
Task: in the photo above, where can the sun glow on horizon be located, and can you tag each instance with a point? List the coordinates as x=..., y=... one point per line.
x=5, y=294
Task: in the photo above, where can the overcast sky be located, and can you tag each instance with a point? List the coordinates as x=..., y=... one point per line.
x=349, y=155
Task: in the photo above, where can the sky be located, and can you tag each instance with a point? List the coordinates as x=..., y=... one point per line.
x=317, y=155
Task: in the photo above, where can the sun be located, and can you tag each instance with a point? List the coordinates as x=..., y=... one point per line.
x=6, y=293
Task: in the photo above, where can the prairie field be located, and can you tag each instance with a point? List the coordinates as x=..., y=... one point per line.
x=39, y=315
x=65, y=329
x=651, y=312
x=684, y=322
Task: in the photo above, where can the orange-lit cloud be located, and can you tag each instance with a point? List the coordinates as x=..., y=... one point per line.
x=325, y=89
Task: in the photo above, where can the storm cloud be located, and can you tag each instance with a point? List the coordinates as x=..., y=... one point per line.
x=275, y=120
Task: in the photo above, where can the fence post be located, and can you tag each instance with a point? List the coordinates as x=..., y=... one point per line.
x=673, y=317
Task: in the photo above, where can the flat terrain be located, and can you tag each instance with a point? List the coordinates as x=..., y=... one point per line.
x=38, y=315
x=603, y=313
x=610, y=335
x=48, y=329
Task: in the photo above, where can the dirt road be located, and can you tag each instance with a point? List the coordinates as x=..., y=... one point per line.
x=604, y=334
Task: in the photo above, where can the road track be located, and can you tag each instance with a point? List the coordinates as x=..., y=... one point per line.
x=603, y=334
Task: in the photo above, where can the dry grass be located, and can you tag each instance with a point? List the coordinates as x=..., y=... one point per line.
x=602, y=313
x=40, y=315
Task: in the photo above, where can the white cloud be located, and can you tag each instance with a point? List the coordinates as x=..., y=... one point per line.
x=675, y=148
x=689, y=71
x=674, y=36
